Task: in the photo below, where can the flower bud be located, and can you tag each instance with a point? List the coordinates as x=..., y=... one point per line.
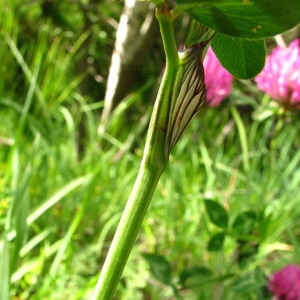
x=188, y=93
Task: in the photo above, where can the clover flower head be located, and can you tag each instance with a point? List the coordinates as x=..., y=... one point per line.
x=218, y=80
x=280, y=77
x=285, y=283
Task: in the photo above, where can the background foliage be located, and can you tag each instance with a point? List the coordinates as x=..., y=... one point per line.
x=225, y=213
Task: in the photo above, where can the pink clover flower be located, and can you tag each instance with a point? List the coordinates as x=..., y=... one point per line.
x=285, y=283
x=218, y=80
x=280, y=77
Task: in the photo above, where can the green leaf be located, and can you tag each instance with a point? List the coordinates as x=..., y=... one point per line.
x=242, y=58
x=217, y=214
x=159, y=267
x=244, y=18
x=198, y=33
x=195, y=276
x=216, y=242
x=244, y=223
x=21, y=207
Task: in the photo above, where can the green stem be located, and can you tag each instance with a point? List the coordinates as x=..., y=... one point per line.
x=156, y=148
x=243, y=138
x=152, y=166
x=165, y=19
x=127, y=231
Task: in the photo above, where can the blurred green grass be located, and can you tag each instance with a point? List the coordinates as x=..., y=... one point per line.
x=59, y=208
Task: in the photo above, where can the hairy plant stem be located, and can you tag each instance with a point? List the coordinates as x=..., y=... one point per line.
x=153, y=164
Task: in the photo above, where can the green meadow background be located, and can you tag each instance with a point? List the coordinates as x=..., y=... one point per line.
x=224, y=216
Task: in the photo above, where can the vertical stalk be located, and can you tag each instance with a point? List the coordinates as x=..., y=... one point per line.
x=153, y=164
x=243, y=138
x=127, y=231
x=156, y=148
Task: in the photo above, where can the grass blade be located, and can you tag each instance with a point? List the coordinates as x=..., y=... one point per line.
x=4, y=269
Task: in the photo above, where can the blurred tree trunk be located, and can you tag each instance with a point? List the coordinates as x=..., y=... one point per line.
x=135, y=35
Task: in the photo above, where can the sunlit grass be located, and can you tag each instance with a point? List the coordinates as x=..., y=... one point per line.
x=73, y=206
x=59, y=208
